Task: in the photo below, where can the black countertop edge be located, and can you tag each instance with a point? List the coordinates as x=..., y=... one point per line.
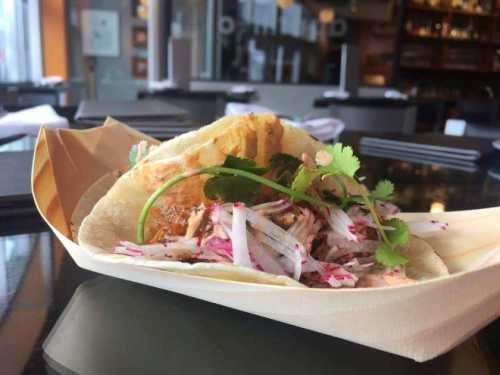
x=365, y=102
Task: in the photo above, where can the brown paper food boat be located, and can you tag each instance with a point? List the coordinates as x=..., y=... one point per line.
x=418, y=321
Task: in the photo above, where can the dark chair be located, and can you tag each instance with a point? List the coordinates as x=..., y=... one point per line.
x=430, y=115
x=37, y=96
x=372, y=114
x=25, y=94
x=203, y=107
x=481, y=117
x=481, y=112
x=7, y=96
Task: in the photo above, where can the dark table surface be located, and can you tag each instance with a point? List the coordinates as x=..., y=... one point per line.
x=16, y=201
x=119, y=327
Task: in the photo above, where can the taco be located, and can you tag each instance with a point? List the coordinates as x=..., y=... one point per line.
x=251, y=198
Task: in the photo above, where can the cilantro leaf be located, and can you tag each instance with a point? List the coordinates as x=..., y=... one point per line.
x=330, y=197
x=401, y=233
x=304, y=179
x=383, y=190
x=132, y=156
x=231, y=189
x=285, y=162
x=244, y=164
x=285, y=166
x=343, y=160
x=389, y=257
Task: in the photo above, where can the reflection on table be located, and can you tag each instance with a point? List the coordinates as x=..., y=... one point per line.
x=29, y=267
x=18, y=143
x=165, y=331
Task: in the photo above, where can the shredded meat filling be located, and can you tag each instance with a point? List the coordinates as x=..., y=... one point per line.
x=195, y=220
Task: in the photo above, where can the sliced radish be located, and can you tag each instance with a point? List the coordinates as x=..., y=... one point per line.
x=278, y=239
x=341, y=224
x=263, y=258
x=241, y=256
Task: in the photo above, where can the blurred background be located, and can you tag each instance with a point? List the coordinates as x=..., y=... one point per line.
x=382, y=65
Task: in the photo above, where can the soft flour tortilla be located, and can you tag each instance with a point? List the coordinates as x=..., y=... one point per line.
x=114, y=215
x=424, y=263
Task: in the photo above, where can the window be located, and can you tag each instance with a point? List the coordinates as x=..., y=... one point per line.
x=20, y=47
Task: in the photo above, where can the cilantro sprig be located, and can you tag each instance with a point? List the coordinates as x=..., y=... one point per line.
x=399, y=235
x=240, y=180
x=305, y=177
x=383, y=192
x=336, y=160
x=339, y=160
x=343, y=161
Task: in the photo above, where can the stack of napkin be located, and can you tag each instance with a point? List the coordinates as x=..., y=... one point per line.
x=29, y=121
